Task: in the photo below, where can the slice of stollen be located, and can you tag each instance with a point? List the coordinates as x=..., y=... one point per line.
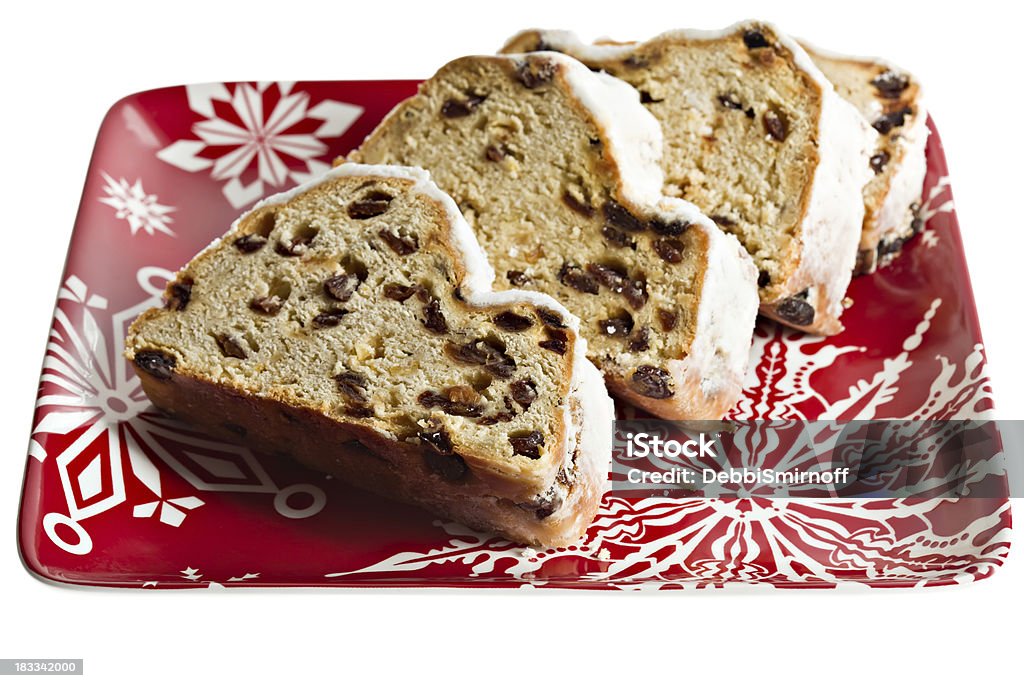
x=757, y=138
x=557, y=170
x=358, y=307
x=890, y=99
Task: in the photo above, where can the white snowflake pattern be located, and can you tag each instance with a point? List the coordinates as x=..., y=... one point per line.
x=89, y=387
x=140, y=209
x=263, y=129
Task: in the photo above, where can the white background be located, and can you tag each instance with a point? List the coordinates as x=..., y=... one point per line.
x=63, y=67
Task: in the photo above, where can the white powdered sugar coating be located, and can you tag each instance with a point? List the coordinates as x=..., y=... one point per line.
x=832, y=225
x=593, y=448
x=477, y=291
x=632, y=134
x=907, y=182
x=718, y=357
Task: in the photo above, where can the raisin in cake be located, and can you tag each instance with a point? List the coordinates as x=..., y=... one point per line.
x=757, y=138
x=358, y=308
x=556, y=168
x=891, y=100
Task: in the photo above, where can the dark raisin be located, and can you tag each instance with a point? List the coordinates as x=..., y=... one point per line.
x=352, y=385
x=451, y=467
x=577, y=205
x=398, y=292
x=433, y=318
x=341, y=286
x=646, y=98
x=250, y=243
x=453, y=107
x=480, y=352
x=554, y=345
x=543, y=505
x=157, y=363
x=574, y=276
x=268, y=305
x=795, y=310
x=181, y=293
x=723, y=220
x=641, y=341
x=517, y=278
x=550, y=318
x=775, y=124
x=879, y=160
x=513, y=322
x=891, y=120
x=891, y=246
x=534, y=73
x=359, y=411
x=608, y=276
x=402, y=245
x=651, y=382
x=445, y=403
x=890, y=84
x=527, y=445
x=474, y=353
x=329, y=318
x=754, y=39
x=670, y=228
x=524, y=392
x=496, y=153
x=917, y=224
x=667, y=319
x=763, y=279
x=636, y=293
x=617, y=237
x=617, y=326
x=616, y=215
x=494, y=419
x=372, y=205
x=749, y=112
x=230, y=346
x=437, y=440
x=729, y=102
x=670, y=250
x=557, y=341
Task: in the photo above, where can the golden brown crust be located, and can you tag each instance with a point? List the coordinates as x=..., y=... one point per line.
x=358, y=456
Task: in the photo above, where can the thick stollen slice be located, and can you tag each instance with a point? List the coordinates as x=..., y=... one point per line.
x=757, y=138
x=556, y=169
x=890, y=99
x=356, y=311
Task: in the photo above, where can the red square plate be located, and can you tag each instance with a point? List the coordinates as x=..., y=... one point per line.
x=117, y=495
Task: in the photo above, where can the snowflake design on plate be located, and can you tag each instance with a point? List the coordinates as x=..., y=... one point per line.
x=140, y=209
x=256, y=135
x=91, y=398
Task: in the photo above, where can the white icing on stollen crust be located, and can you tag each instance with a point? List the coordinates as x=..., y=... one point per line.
x=907, y=183
x=632, y=134
x=893, y=218
x=831, y=227
x=719, y=352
